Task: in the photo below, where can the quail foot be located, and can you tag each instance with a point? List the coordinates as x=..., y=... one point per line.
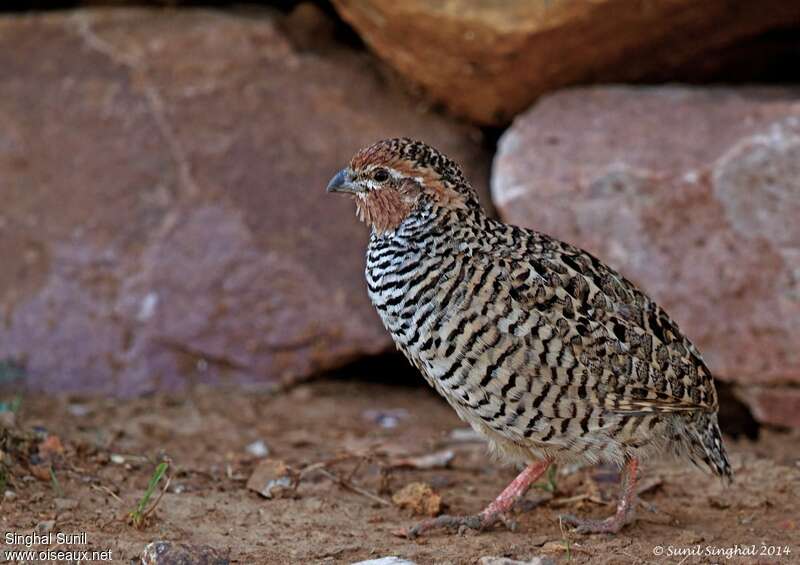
x=543, y=349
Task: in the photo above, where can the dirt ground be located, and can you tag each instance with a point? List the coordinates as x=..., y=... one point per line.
x=342, y=435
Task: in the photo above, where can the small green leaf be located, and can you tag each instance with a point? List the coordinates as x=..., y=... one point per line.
x=137, y=515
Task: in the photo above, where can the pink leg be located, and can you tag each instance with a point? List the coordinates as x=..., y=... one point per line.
x=625, y=507
x=515, y=490
x=492, y=513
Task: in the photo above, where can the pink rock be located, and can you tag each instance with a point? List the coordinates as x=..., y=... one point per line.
x=164, y=216
x=692, y=193
x=774, y=405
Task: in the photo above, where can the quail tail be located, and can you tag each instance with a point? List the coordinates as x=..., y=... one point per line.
x=706, y=448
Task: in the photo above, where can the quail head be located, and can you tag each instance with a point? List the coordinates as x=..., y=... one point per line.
x=543, y=349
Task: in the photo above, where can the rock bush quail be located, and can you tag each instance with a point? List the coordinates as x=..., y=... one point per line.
x=543, y=349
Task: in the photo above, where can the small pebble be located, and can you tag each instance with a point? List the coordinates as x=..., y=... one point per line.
x=420, y=498
x=489, y=560
x=386, y=418
x=390, y=560
x=258, y=449
x=429, y=461
x=79, y=410
x=9, y=495
x=271, y=479
x=65, y=504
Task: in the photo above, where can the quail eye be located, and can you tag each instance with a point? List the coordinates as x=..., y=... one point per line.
x=380, y=175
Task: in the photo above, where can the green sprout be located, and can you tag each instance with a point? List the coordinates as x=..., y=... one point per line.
x=138, y=516
x=566, y=541
x=56, y=484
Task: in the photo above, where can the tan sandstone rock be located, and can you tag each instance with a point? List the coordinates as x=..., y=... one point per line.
x=420, y=498
x=692, y=193
x=489, y=60
x=164, y=218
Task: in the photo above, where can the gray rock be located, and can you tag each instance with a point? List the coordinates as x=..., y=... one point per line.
x=169, y=553
x=164, y=219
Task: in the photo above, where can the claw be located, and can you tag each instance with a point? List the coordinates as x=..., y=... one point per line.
x=447, y=522
x=625, y=508
x=477, y=523
x=508, y=522
x=583, y=526
x=497, y=511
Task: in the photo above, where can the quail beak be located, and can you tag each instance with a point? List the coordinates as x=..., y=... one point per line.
x=342, y=182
